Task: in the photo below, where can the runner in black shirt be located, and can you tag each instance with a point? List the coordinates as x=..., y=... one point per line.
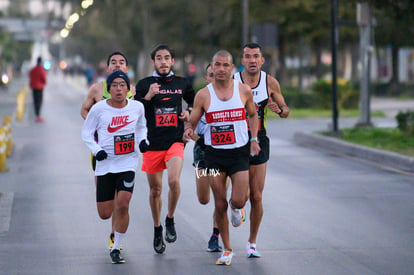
x=162, y=96
x=164, y=109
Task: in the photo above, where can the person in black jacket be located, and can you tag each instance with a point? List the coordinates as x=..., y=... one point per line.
x=162, y=95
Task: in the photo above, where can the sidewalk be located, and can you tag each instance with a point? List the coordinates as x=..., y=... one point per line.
x=391, y=106
x=387, y=159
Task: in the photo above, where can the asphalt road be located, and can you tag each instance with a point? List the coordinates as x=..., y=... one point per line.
x=324, y=213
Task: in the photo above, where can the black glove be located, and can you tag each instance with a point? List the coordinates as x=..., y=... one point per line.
x=101, y=155
x=200, y=142
x=143, y=146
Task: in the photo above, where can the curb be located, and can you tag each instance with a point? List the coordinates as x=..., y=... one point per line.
x=386, y=158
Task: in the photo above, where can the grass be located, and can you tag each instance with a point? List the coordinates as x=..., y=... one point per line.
x=305, y=113
x=390, y=139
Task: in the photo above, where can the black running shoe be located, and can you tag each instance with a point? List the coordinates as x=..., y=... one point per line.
x=116, y=257
x=170, y=234
x=159, y=245
x=213, y=244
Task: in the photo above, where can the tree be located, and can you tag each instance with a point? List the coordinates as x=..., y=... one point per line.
x=135, y=27
x=396, y=28
x=302, y=22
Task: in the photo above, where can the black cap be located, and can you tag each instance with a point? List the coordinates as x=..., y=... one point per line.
x=117, y=74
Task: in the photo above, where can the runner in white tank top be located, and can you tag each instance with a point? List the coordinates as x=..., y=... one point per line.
x=266, y=93
x=201, y=179
x=228, y=149
x=226, y=121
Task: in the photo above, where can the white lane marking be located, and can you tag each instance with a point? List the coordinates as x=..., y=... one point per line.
x=6, y=203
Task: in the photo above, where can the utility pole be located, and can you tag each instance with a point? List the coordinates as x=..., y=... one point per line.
x=364, y=23
x=334, y=38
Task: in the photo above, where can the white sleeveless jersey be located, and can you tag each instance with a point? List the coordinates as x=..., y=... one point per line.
x=120, y=131
x=226, y=121
x=260, y=91
x=260, y=98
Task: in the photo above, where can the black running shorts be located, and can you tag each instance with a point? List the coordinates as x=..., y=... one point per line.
x=199, y=156
x=263, y=155
x=109, y=183
x=229, y=161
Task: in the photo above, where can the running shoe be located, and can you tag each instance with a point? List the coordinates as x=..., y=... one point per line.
x=213, y=244
x=159, y=245
x=116, y=257
x=111, y=241
x=225, y=258
x=238, y=216
x=252, y=251
x=170, y=234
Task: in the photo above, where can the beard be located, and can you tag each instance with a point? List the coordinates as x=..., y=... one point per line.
x=163, y=74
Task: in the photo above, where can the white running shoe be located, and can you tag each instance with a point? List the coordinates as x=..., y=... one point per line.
x=238, y=216
x=251, y=251
x=225, y=258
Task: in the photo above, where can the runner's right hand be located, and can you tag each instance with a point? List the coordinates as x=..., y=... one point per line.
x=154, y=89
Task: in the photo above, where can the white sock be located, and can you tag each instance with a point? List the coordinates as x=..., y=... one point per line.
x=119, y=237
x=253, y=245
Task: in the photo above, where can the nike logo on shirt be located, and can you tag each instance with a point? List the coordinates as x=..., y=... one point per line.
x=118, y=123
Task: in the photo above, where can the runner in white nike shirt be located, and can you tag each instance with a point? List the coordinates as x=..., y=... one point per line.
x=121, y=128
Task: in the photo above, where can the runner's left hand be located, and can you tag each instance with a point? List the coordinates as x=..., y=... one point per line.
x=254, y=148
x=185, y=116
x=143, y=146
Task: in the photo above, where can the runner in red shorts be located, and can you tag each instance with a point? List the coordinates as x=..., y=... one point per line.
x=162, y=95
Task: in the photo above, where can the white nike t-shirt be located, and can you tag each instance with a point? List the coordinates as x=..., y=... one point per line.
x=120, y=130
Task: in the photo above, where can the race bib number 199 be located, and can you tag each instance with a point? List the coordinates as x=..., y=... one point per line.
x=221, y=135
x=124, y=144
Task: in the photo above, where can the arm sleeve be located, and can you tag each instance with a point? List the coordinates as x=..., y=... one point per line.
x=189, y=94
x=141, y=127
x=89, y=127
x=44, y=76
x=141, y=89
